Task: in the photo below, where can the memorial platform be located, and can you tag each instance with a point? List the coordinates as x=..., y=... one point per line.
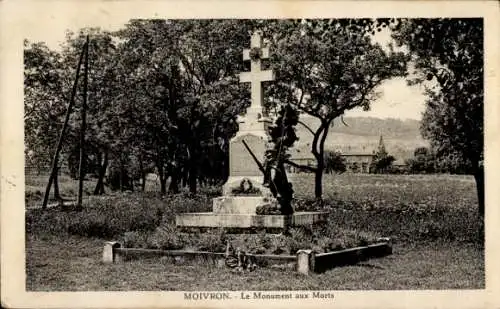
x=249, y=220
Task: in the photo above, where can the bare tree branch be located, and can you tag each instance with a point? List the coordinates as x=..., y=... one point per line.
x=342, y=119
x=307, y=127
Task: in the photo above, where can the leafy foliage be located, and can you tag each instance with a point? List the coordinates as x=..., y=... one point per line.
x=449, y=52
x=326, y=67
x=334, y=162
x=382, y=161
x=164, y=94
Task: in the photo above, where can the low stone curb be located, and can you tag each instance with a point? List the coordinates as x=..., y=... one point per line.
x=306, y=261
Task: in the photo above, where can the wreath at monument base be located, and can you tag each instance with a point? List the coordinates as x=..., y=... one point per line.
x=245, y=188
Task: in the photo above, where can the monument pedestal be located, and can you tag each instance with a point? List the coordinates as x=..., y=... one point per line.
x=248, y=221
x=240, y=212
x=243, y=193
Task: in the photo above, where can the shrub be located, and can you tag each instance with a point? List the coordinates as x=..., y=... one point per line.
x=299, y=239
x=214, y=241
x=136, y=240
x=307, y=205
x=279, y=244
x=107, y=218
x=165, y=237
x=268, y=209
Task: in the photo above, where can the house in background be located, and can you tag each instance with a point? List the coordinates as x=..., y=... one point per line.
x=357, y=158
x=358, y=162
x=301, y=154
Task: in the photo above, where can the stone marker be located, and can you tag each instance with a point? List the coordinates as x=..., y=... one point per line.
x=252, y=126
x=305, y=261
x=109, y=254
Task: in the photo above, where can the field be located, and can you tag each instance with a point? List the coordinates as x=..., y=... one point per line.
x=432, y=219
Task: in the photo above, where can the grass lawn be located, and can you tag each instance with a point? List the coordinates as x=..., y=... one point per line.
x=73, y=264
x=432, y=218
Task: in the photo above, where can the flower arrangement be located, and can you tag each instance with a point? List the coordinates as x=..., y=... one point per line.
x=255, y=53
x=245, y=188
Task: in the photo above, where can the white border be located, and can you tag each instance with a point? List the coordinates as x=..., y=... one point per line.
x=17, y=18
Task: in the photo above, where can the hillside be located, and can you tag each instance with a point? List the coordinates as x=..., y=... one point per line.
x=362, y=135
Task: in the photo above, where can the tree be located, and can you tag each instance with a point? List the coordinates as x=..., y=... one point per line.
x=423, y=161
x=382, y=161
x=43, y=105
x=186, y=73
x=449, y=52
x=326, y=67
x=107, y=127
x=334, y=163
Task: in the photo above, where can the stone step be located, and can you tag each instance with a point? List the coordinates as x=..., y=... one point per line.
x=208, y=219
x=239, y=204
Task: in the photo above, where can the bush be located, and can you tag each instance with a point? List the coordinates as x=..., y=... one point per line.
x=107, y=218
x=136, y=240
x=268, y=209
x=166, y=238
x=307, y=205
x=214, y=241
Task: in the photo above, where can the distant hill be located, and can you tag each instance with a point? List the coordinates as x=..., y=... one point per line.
x=362, y=135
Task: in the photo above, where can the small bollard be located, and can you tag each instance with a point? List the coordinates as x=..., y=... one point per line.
x=109, y=254
x=388, y=249
x=305, y=261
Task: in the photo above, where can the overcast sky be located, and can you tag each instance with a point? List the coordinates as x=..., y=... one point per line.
x=397, y=100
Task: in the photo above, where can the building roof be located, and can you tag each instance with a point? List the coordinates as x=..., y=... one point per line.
x=303, y=151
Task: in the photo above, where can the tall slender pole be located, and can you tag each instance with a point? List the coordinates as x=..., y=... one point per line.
x=55, y=159
x=81, y=173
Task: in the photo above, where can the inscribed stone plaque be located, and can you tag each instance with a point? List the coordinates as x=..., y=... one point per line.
x=241, y=162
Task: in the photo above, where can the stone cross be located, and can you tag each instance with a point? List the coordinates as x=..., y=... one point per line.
x=256, y=76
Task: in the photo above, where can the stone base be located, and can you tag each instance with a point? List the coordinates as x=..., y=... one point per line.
x=208, y=219
x=239, y=204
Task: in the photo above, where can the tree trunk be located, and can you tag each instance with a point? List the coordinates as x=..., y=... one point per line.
x=163, y=179
x=143, y=184
x=143, y=174
x=163, y=184
x=479, y=178
x=173, y=171
x=99, y=188
x=185, y=176
x=121, y=176
x=318, y=181
x=57, y=194
x=192, y=179
x=174, y=183
x=319, y=152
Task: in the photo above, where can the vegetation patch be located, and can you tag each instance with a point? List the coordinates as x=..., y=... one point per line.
x=405, y=208
x=320, y=240
x=268, y=209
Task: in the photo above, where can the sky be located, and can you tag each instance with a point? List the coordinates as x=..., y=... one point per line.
x=397, y=100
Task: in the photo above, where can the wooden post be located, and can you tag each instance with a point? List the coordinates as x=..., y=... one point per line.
x=55, y=159
x=81, y=172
